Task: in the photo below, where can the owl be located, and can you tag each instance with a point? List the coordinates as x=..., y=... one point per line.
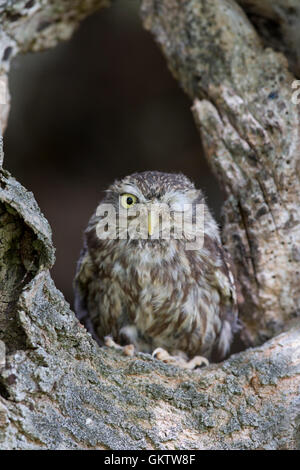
x=154, y=279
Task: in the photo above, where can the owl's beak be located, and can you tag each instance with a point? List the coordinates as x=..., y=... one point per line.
x=150, y=223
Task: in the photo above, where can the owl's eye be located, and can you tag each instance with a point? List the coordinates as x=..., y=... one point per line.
x=128, y=200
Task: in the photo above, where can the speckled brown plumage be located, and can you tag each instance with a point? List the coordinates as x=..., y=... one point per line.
x=155, y=293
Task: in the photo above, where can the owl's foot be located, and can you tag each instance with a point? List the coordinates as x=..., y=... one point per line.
x=179, y=361
x=128, y=350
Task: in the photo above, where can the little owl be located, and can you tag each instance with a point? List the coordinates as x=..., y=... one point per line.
x=149, y=290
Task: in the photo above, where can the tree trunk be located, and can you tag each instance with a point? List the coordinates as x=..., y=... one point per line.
x=58, y=388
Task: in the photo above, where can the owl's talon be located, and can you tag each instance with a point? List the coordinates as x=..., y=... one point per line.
x=110, y=343
x=197, y=361
x=128, y=350
x=163, y=355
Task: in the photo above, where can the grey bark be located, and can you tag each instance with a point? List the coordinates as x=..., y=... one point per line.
x=58, y=389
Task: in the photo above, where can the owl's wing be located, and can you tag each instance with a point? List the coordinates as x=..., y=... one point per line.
x=224, y=283
x=84, y=274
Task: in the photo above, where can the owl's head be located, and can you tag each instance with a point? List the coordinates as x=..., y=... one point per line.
x=150, y=206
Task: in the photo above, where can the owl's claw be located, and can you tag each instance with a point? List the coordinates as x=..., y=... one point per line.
x=163, y=355
x=197, y=361
x=128, y=350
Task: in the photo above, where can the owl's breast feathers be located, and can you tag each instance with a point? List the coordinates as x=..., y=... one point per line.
x=177, y=299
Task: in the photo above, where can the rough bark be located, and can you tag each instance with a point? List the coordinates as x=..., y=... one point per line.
x=58, y=389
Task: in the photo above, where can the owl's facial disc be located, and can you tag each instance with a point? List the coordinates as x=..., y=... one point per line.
x=152, y=208
x=177, y=200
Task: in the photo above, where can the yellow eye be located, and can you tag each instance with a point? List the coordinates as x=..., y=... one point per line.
x=128, y=200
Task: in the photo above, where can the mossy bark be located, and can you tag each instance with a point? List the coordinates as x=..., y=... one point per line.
x=58, y=388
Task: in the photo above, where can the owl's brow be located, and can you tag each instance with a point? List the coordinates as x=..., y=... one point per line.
x=128, y=188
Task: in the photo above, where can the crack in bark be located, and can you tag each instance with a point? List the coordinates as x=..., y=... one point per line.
x=248, y=237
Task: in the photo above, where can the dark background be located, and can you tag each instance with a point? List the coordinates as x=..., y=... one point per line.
x=98, y=107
